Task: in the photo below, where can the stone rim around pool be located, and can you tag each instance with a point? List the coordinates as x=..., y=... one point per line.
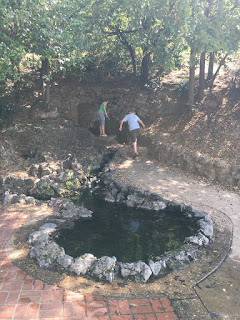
x=49, y=254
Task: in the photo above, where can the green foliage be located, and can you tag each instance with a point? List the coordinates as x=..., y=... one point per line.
x=108, y=37
x=182, y=88
x=213, y=26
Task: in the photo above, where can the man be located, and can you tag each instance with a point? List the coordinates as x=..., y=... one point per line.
x=133, y=124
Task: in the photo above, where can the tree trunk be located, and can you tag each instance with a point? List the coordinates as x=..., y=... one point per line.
x=210, y=66
x=219, y=67
x=45, y=70
x=191, y=85
x=131, y=50
x=132, y=54
x=45, y=67
x=201, y=76
x=17, y=86
x=145, y=67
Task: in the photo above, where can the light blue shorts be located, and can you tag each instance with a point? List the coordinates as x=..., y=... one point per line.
x=101, y=118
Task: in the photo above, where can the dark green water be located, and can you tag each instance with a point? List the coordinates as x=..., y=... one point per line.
x=126, y=233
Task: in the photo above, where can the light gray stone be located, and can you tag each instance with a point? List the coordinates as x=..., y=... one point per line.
x=138, y=271
x=65, y=261
x=109, y=197
x=82, y=264
x=48, y=227
x=158, y=205
x=200, y=239
x=47, y=255
x=159, y=268
x=155, y=267
x=38, y=237
x=103, y=268
x=206, y=227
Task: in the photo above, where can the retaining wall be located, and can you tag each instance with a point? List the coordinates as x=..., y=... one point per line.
x=201, y=165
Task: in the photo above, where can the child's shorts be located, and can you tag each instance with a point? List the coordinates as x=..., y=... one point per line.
x=134, y=134
x=101, y=118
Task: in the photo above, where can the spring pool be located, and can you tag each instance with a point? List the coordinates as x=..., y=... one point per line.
x=129, y=234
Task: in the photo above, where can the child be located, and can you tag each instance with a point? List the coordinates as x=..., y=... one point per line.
x=102, y=113
x=133, y=124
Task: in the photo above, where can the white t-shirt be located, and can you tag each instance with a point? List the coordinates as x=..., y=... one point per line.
x=132, y=120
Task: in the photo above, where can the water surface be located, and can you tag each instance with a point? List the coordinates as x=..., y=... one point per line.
x=128, y=234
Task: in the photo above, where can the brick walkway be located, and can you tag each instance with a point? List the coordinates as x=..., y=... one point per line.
x=22, y=297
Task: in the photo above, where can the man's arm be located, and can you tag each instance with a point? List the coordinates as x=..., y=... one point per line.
x=121, y=124
x=142, y=124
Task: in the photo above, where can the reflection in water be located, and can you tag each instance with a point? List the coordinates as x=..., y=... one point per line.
x=132, y=226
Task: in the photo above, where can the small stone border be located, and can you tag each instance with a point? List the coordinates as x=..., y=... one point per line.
x=49, y=254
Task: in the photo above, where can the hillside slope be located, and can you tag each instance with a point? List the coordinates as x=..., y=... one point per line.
x=210, y=128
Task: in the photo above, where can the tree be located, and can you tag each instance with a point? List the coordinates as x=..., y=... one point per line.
x=212, y=26
x=13, y=22
x=114, y=37
x=146, y=29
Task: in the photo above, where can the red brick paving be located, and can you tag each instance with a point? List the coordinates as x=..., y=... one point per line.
x=22, y=297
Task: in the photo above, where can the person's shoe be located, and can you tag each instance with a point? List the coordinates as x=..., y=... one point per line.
x=104, y=135
x=135, y=155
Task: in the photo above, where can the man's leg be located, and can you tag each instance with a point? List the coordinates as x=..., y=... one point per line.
x=134, y=145
x=134, y=142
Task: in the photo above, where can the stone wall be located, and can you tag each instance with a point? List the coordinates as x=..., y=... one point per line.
x=77, y=101
x=201, y=165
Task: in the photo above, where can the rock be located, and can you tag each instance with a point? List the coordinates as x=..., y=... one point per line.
x=66, y=164
x=159, y=268
x=155, y=267
x=181, y=260
x=84, y=213
x=19, y=198
x=43, y=189
x=158, y=205
x=109, y=197
x=206, y=227
x=44, y=170
x=65, y=261
x=34, y=170
x=200, y=239
x=76, y=166
x=199, y=214
x=47, y=255
x=133, y=200
x=103, y=268
x=82, y=264
x=138, y=271
x=48, y=227
x=7, y=198
x=76, y=213
x=38, y=237
x=30, y=200
x=54, y=202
